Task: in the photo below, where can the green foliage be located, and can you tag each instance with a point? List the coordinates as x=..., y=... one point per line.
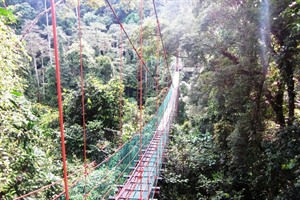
x=23, y=11
x=30, y=136
x=283, y=166
x=104, y=68
x=24, y=145
x=233, y=101
x=67, y=20
x=238, y=132
x=192, y=168
x=102, y=116
x=132, y=18
x=7, y=16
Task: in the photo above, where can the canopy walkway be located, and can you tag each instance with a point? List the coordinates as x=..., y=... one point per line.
x=141, y=184
x=133, y=170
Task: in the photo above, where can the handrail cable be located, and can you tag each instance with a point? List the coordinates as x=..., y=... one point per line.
x=121, y=81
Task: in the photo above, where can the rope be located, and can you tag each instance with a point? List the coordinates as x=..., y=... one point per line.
x=162, y=41
x=141, y=95
x=36, y=19
x=157, y=69
x=48, y=186
x=101, y=163
x=120, y=175
x=94, y=168
x=107, y=174
x=121, y=81
x=148, y=162
x=137, y=92
x=39, y=190
x=59, y=97
x=75, y=182
x=82, y=90
x=108, y=158
x=156, y=163
x=127, y=36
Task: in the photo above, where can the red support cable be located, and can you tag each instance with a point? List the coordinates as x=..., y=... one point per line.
x=82, y=91
x=146, y=85
x=141, y=97
x=177, y=61
x=157, y=69
x=37, y=191
x=59, y=98
x=101, y=163
x=137, y=91
x=162, y=41
x=121, y=81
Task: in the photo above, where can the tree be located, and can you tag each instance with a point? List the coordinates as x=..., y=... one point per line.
x=22, y=148
x=245, y=82
x=285, y=48
x=102, y=115
x=36, y=45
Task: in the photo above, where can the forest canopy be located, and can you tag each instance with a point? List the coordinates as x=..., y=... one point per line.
x=237, y=133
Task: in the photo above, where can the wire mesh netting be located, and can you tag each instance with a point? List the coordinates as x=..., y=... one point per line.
x=143, y=179
x=103, y=181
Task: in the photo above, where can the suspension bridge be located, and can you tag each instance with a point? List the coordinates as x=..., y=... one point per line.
x=133, y=170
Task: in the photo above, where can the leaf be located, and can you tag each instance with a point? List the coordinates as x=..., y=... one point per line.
x=14, y=103
x=289, y=165
x=18, y=94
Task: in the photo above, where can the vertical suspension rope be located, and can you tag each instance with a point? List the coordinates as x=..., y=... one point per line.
x=82, y=92
x=137, y=91
x=141, y=97
x=146, y=85
x=162, y=41
x=121, y=81
x=59, y=98
x=177, y=60
x=157, y=69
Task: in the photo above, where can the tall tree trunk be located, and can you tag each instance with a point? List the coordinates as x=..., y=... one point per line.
x=277, y=103
x=48, y=35
x=76, y=11
x=37, y=78
x=290, y=87
x=43, y=78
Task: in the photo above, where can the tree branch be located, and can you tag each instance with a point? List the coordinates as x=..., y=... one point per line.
x=230, y=56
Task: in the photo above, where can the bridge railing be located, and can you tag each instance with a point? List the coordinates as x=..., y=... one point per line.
x=110, y=173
